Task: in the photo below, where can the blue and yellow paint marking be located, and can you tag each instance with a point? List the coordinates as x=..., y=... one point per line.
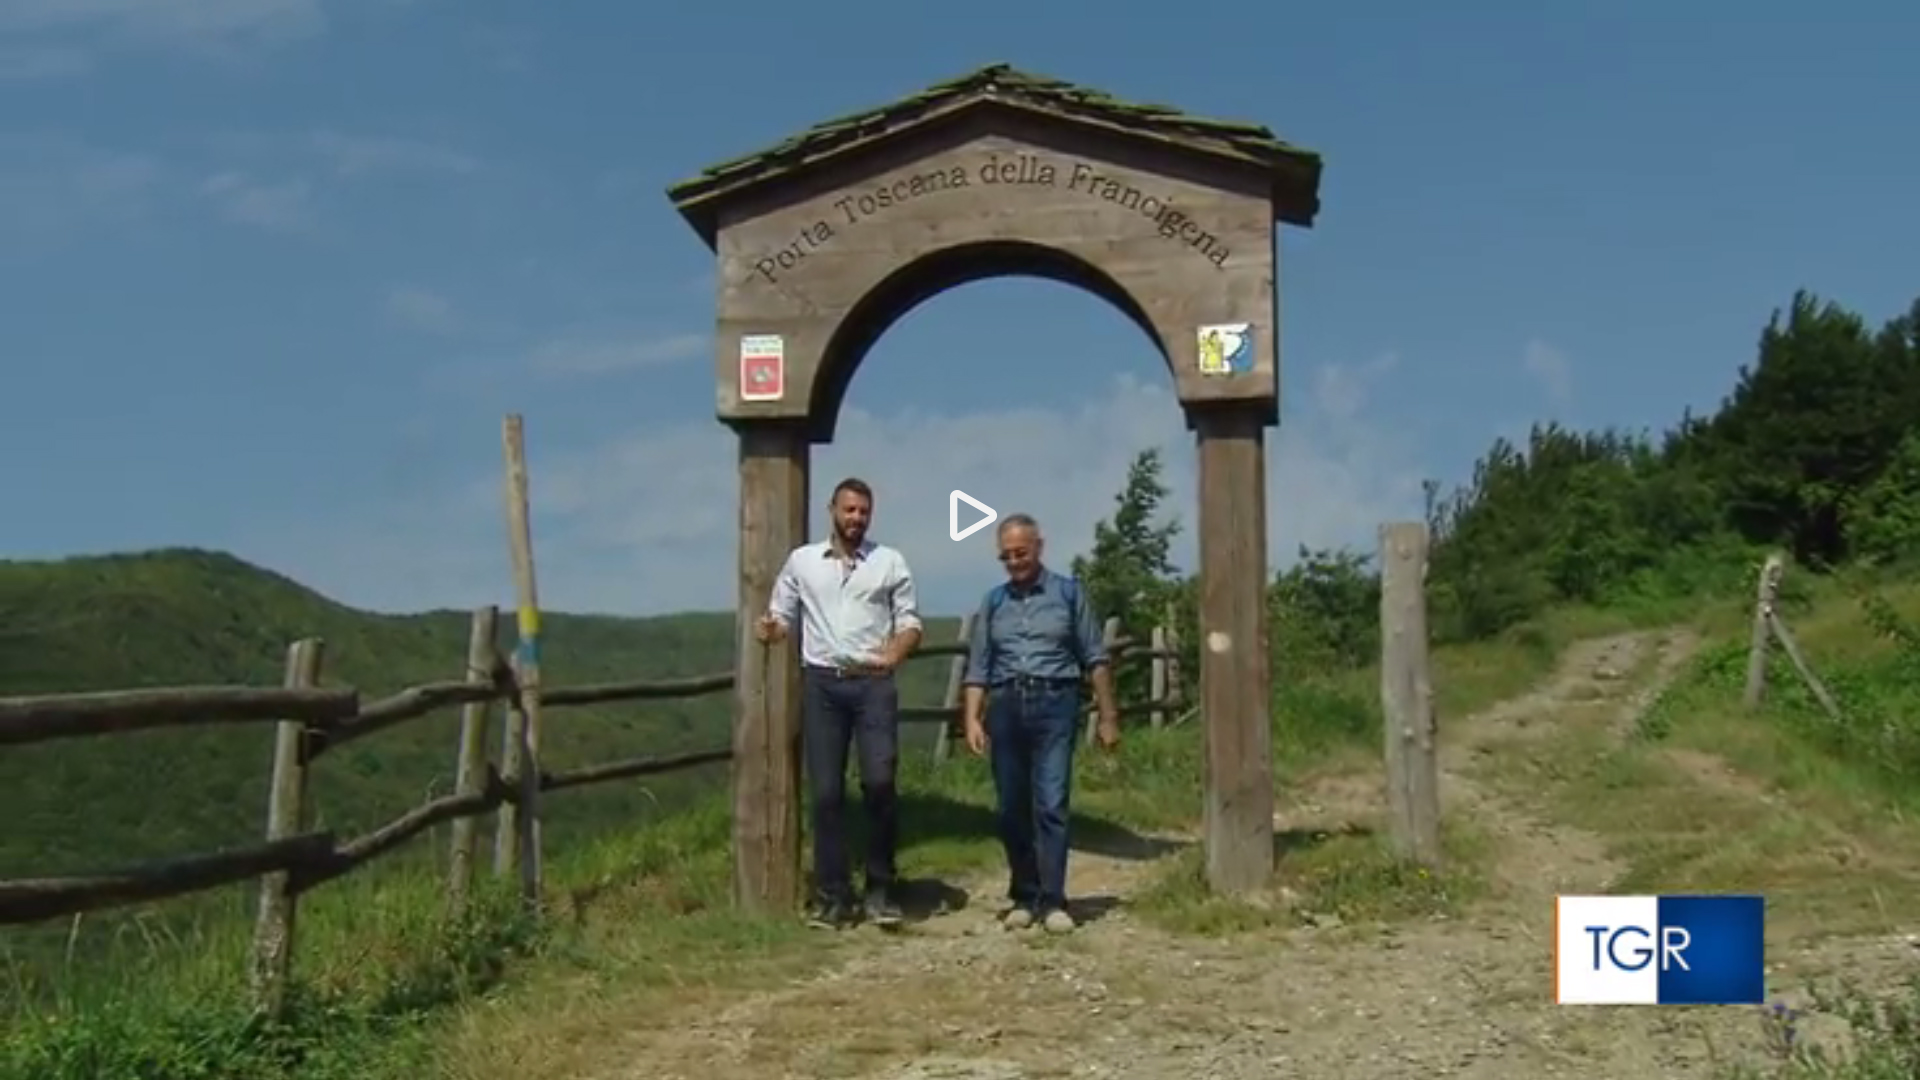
x=528, y=651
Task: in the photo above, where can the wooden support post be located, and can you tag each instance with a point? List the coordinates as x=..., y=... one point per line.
x=526, y=664
x=1767, y=592
x=774, y=465
x=470, y=770
x=288, y=814
x=1406, y=694
x=957, y=670
x=1157, y=680
x=506, y=821
x=1799, y=661
x=1235, y=665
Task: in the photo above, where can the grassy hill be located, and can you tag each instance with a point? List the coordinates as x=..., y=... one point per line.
x=180, y=617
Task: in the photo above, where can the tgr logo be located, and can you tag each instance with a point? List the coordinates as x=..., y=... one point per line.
x=1659, y=950
x=1629, y=948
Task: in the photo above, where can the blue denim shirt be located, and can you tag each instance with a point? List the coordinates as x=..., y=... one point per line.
x=1034, y=632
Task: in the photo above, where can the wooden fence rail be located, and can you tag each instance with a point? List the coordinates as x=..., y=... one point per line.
x=310, y=720
x=68, y=716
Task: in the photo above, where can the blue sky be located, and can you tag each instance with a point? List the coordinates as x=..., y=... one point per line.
x=273, y=270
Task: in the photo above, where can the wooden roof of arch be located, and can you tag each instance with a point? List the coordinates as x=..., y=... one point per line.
x=1294, y=172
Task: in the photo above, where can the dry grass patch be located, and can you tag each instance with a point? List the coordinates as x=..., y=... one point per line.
x=1322, y=878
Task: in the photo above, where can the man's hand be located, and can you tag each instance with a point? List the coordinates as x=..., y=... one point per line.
x=769, y=630
x=883, y=664
x=976, y=736
x=895, y=652
x=1107, y=728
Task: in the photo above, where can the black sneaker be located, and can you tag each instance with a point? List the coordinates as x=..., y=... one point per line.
x=829, y=915
x=881, y=909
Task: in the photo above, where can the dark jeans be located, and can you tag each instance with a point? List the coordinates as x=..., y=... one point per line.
x=861, y=711
x=1031, y=728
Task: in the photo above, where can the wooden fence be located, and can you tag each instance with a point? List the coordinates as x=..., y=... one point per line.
x=311, y=720
x=1166, y=689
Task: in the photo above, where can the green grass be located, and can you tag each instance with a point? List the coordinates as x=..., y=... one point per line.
x=1884, y=1030
x=1824, y=811
x=388, y=985
x=1818, y=814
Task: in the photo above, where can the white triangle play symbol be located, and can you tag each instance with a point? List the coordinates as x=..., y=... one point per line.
x=953, y=515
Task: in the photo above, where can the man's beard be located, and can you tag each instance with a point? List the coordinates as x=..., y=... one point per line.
x=850, y=533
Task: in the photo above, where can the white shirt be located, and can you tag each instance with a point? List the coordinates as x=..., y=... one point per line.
x=847, y=608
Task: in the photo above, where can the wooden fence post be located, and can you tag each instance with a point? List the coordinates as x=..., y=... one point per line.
x=505, y=820
x=1157, y=680
x=1176, y=672
x=1109, y=636
x=956, y=670
x=1406, y=694
x=470, y=772
x=288, y=813
x=1766, y=594
x=525, y=814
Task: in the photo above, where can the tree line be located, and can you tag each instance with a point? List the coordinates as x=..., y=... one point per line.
x=1815, y=450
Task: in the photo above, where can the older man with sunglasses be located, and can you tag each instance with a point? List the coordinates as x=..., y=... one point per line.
x=1033, y=639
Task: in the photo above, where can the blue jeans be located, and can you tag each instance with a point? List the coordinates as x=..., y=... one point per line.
x=861, y=713
x=1032, y=727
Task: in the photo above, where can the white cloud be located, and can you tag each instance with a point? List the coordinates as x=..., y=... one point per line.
x=360, y=155
x=63, y=37
x=1341, y=391
x=282, y=206
x=422, y=309
x=194, y=23
x=1551, y=368
x=585, y=354
x=647, y=523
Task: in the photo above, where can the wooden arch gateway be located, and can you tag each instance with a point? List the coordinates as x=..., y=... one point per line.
x=825, y=240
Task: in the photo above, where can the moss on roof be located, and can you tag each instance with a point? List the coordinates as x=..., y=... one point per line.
x=1296, y=170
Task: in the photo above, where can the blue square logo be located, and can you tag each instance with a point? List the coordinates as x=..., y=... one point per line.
x=1721, y=960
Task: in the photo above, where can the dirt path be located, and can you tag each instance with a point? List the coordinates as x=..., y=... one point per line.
x=1470, y=997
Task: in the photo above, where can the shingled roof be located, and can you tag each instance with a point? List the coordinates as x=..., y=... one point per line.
x=1295, y=171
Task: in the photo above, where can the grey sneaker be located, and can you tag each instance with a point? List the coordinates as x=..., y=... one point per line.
x=1058, y=922
x=829, y=914
x=1017, y=918
x=882, y=911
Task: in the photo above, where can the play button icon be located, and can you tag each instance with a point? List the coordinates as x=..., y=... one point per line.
x=953, y=515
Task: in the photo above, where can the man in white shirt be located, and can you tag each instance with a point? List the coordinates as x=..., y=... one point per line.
x=854, y=601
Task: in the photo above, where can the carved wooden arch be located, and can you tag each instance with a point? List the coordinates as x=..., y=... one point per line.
x=824, y=241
